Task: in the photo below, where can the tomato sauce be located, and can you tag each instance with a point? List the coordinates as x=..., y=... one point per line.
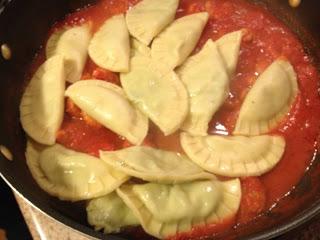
x=266, y=39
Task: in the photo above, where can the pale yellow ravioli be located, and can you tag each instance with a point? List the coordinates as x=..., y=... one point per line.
x=139, y=49
x=108, y=104
x=269, y=100
x=149, y=17
x=72, y=43
x=177, y=41
x=42, y=104
x=234, y=156
x=229, y=48
x=110, y=45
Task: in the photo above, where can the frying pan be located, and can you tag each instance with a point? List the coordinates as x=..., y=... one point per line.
x=24, y=26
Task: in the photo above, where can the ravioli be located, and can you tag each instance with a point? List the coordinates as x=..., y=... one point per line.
x=206, y=79
x=139, y=49
x=269, y=100
x=72, y=44
x=234, y=156
x=157, y=93
x=165, y=210
x=154, y=165
x=42, y=104
x=110, y=214
x=110, y=46
x=177, y=41
x=107, y=104
x=71, y=175
x=229, y=48
x=149, y=17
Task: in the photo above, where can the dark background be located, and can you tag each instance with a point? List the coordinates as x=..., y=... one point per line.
x=11, y=219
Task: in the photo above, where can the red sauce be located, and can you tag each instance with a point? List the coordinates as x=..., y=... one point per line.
x=266, y=40
x=253, y=199
x=208, y=230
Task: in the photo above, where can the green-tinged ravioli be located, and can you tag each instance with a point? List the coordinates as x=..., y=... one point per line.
x=149, y=17
x=154, y=165
x=234, y=156
x=108, y=104
x=110, y=213
x=207, y=81
x=71, y=175
x=177, y=41
x=269, y=100
x=165, y=210
x=42, y=104
x=157, y=93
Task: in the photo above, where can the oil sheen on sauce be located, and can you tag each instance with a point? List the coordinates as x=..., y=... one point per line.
x=266, y=39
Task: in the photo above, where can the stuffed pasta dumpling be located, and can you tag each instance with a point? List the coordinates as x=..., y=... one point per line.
x=206, y=79
x=234, y=156
x=229, y=48
x=72, y=43
x=154, y=165
x=110, y=213
x=166, y=210
x=269, y=100
x=158, y=94
x=149, y=17
x=206, y=76
x=42, y=104
x=71, y=175
x=107, y=104
x=110, y=45
x=139, y=49
x=177, y=41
